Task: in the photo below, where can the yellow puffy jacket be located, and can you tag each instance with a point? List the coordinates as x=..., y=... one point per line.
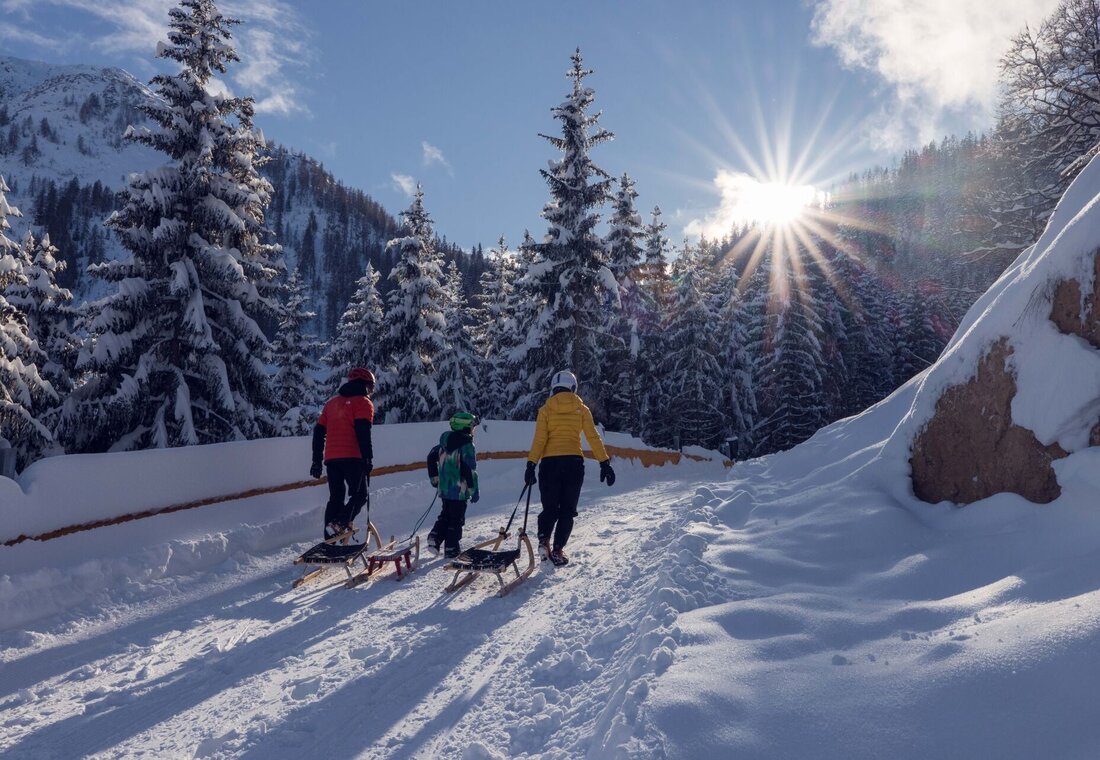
x=558, y=429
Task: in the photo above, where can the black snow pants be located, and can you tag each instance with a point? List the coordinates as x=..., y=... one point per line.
x=560, y=480
x=448, y=526
x=345, y=476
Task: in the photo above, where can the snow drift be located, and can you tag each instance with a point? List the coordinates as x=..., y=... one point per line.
x=863, y=622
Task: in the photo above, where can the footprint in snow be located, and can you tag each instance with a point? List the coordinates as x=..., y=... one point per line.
x=305, y=689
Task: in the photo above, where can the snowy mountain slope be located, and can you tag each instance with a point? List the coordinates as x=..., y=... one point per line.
x=86, y=109
x=64, y=124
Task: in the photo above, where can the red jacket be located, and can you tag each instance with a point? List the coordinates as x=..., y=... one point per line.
x=343, y=421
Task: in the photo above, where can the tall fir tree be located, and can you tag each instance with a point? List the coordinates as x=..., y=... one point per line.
x=24, y=392
x=293, y=351
x=360, y=335
x=176, y=355
x=407, y=389
x=690, y=369
x=495, y=330
x=460, y=368
x=573, y=277
x=738, y=367
x=654, y=290
x=621, y=378
x=526, y=389
x=792, y=387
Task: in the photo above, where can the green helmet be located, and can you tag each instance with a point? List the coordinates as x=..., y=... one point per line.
x=464, y=421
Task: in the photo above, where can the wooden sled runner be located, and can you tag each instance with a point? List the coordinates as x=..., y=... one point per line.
x=406, y=550
x=487, y=557
x=336, y=551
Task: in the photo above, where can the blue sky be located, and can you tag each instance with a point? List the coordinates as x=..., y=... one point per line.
x=454, y=94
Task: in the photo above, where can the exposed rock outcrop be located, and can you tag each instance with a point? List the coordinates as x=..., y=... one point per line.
x=972, y=449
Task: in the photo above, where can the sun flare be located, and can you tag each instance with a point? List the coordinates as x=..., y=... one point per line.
x=774, y=203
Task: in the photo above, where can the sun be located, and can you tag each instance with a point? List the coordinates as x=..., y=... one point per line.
x=773, y=203
x=756, y=202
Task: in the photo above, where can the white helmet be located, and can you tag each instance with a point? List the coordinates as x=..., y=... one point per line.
x=564, y=379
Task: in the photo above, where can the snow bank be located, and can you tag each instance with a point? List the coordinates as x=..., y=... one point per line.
x=861, y=622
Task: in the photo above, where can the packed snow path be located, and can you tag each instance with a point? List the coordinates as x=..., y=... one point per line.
x=233, y=663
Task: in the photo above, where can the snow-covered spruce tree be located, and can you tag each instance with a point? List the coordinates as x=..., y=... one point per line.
x=573, y=277
x=738, y=366
x=360, y=335
x=293, y=350
x=791, y=391
x=868, y=348
x=654, y=291
x=47, y=308
x=525, y=389
x=621, y=382
x=494, y=331
x=407, y=389
x=176, y=356
x=690, y=368
x=24, y=392
x=460, y=368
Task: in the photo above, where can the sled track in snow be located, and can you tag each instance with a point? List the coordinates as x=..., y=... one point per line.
x=557, y=669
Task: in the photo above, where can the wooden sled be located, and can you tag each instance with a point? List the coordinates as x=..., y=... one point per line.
x=407, y=550
x=336, y=551
x=487, y=557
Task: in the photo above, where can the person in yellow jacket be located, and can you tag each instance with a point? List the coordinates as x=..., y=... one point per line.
x=556, y=449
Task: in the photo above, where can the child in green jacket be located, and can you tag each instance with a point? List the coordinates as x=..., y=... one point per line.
x=457, y=482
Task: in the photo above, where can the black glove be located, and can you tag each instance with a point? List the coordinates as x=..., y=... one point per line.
x=529, y=477
x=475, y=497
x=315, y=470
x=606, y=473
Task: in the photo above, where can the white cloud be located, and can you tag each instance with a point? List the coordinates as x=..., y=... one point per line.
x=940, y=57
x=433, y=155
x=404, y=183
x=9, y=32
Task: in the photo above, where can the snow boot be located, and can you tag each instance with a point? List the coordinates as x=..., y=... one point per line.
x=332, y=530
x=544, y=549
x=451, y=552
x=557, y=556
x=435, y=542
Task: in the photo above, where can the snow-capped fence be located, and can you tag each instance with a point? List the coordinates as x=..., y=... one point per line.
x=63, y=495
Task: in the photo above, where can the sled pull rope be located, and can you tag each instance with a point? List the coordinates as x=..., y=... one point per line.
x=424, y=516
x=527, y=490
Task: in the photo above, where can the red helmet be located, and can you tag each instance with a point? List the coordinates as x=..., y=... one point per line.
x=362, y=373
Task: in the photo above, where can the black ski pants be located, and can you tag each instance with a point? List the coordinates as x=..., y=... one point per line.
x=560, y=480
x=345, y=476
x=448, y=526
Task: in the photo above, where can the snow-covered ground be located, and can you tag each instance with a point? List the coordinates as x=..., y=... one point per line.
x=179, y=635
x=799, y=608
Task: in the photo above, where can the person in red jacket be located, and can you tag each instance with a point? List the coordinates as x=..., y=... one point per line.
x=343, y=435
